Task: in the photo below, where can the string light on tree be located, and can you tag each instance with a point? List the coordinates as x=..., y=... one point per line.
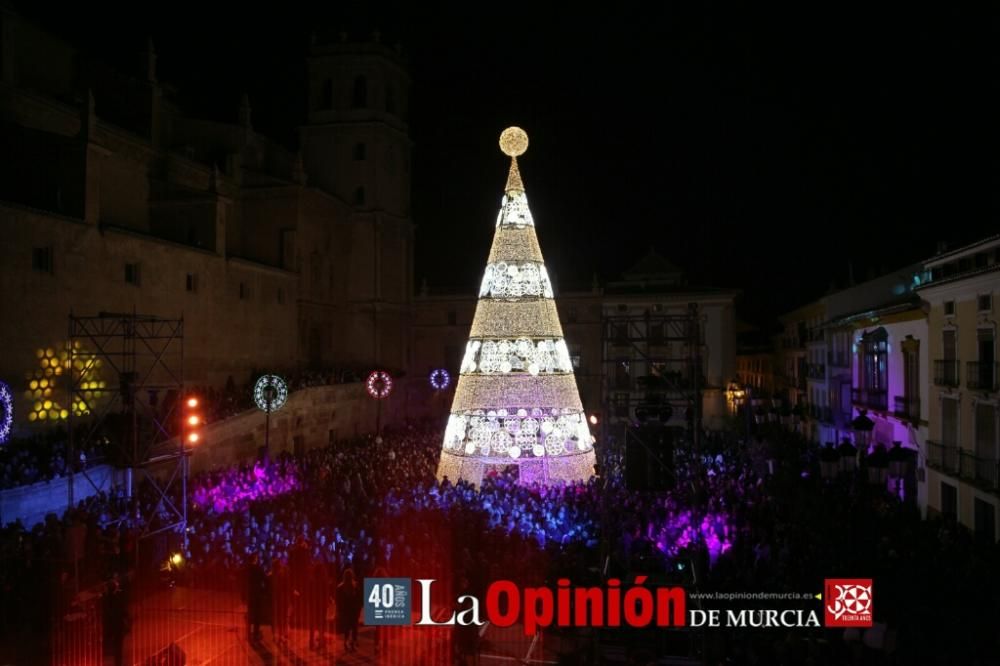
x=516, y=400
x=440, y=379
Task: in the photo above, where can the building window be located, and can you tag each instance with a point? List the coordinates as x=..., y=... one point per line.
x=986, y=433
x=949, y=422
x=390, y=99
x=327, y=101
x=575, y=359
x=244, y=291
x=875, y=347
x=360, y=99
x=984, y=520
x=452, y=318
x=949, y=308
x=949, y=500
x=191, y=283
x=41, y=259
x=359, y=196
x=985, y=302
x=911, y=377
x=132, y=273
x=359, y=152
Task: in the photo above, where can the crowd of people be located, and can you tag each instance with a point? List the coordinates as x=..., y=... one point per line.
x=31, y=459
x=45, y=457
x=296, y=533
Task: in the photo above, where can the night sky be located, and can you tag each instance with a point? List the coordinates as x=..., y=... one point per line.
x=753, y=147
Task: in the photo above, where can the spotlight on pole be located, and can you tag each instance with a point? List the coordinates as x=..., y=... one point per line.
x=192, y=420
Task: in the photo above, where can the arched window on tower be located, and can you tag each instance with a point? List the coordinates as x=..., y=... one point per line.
x=390, y=100
x=327, y=98
x=360, y=92
x=359, y=196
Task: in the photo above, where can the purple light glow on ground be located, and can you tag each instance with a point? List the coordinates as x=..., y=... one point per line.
x=684, y=528
x=233, y=490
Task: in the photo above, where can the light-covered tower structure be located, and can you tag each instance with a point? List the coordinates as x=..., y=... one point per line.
x=516, y=401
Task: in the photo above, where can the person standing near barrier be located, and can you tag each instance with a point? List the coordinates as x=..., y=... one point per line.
x=256, y=597
x=317, y=595
x=281, y=593
x=348, y=600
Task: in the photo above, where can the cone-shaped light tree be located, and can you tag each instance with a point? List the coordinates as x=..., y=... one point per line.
x=516, y=401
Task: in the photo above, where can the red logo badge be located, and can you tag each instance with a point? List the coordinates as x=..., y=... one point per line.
x=847, y=602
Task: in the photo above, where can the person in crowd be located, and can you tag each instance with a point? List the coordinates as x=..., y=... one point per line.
x=348, y=600
x=317, y=599
x=257, y=597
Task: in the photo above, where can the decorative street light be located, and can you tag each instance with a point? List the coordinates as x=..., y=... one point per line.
x=379, y=386
x=848, y=456
x=878, y=463
x=439, y=379
x=829, y=461
x=862, y=427
x=270, y=394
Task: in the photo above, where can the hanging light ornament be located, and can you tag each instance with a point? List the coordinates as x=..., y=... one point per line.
x=379, y=384
x=6, y=412
x=440, y=379
x=270, y=393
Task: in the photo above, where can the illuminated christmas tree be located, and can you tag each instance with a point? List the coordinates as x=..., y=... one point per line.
x=516, y=401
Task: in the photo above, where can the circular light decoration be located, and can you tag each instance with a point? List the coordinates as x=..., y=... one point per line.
x=440, y=379
x=514, y=141
x=379, y=384
x=6, y=412
x=270, y=393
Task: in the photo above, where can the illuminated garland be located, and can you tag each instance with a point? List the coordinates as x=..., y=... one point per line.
x=7, y=415
x=520, y=355
x=535, y=431
x=514, y=211
x=379, y=384
x=514, y=280
x=440, y=379
x=278, y=393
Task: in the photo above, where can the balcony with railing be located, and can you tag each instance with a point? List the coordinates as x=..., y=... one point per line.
x=838, y=360
x=816, y=371
x=906, y=407
x=981, y=376
x=946, y=373
x=950, y=458
x=815, y=336
x=870, y=398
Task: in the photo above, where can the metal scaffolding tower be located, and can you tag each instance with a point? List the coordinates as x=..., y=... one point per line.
x=140, y=361
x=652, y=370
